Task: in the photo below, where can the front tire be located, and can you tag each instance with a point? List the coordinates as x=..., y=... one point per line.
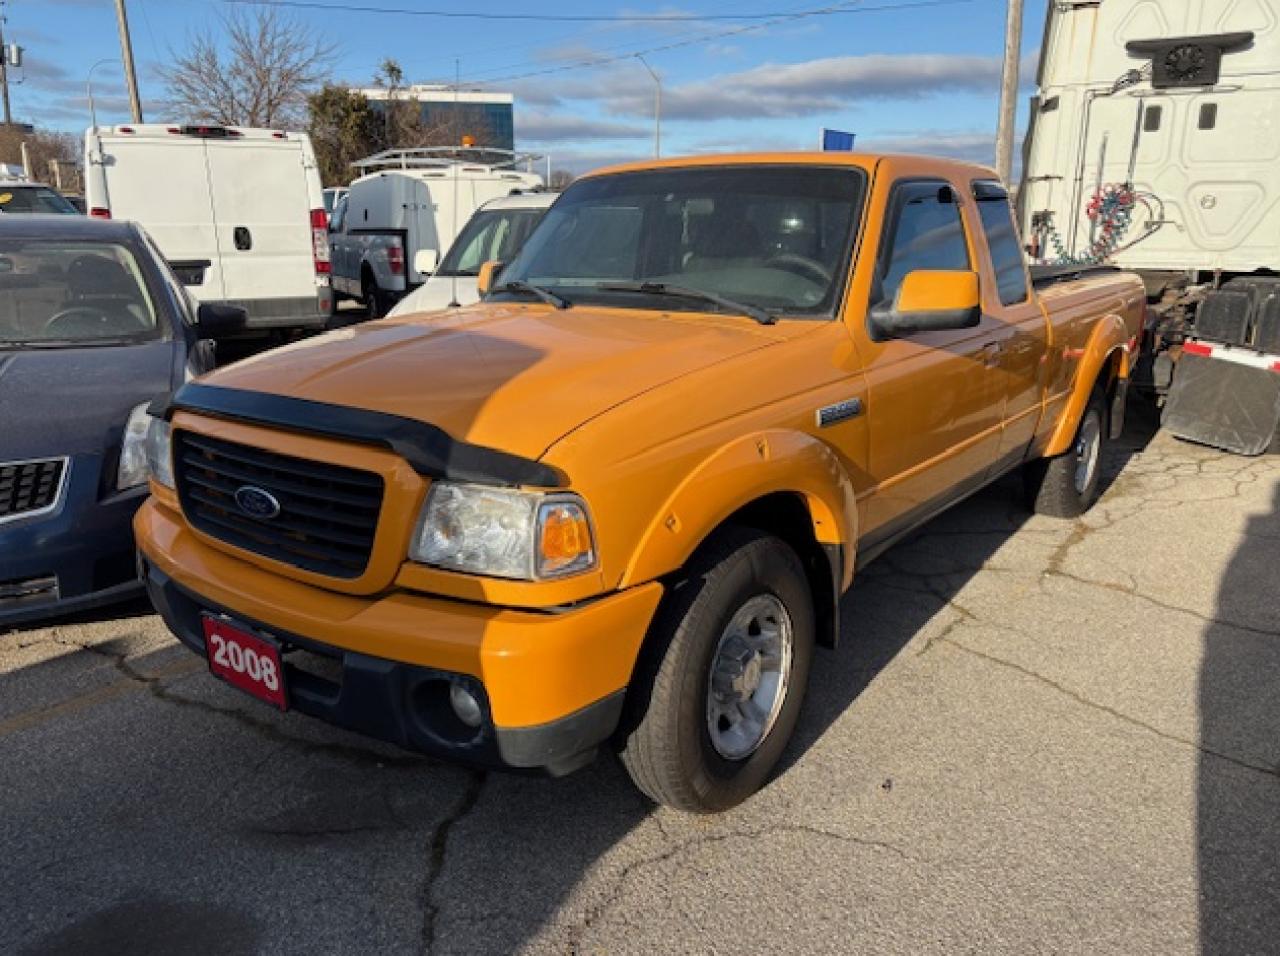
x=1067, y=485
x=721, y=687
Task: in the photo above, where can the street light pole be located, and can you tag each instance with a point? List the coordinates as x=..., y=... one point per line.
x=657, y=107
x=1009, y=91
x=126, y=51
x=88, y=88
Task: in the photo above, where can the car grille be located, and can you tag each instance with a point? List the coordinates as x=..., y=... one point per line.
x=327, y=517
x=27, y=486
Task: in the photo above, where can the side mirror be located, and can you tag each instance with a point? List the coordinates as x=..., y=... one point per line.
x=215, y=321
x=487, y=278
x=426, y=261
x=930, y=300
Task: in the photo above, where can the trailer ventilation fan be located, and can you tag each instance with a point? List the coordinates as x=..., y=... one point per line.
x=1187, y=61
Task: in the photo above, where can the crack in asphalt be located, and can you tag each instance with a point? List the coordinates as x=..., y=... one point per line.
x=439, y=850
x=1118, y=714
x=619, y=882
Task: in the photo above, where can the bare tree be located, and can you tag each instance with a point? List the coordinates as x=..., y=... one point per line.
x=43, y=147
x=258, y=73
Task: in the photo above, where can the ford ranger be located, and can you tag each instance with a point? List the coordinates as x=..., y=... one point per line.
x=616, y=503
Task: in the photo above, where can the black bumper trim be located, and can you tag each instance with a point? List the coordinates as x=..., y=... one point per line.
x=385, y=699
x=428, y=449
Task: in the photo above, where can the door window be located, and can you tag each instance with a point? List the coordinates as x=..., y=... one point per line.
x=925, y=232
x=1002, y=241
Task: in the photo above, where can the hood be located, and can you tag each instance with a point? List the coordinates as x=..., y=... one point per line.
x=70, y=401
x=512, y=377
x=436, y=295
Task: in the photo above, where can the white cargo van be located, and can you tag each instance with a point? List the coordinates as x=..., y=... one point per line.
x=397, y=220
x=237, y=212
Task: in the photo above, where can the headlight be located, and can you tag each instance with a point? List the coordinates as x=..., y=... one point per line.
x=159, y=456
x=503, y=533
x=133, y=450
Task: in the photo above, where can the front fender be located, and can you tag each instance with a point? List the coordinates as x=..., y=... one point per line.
x=744, y=471
x=1108, y=338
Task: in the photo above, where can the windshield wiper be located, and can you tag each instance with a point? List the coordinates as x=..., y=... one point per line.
x=546, y=295
x=683, y=292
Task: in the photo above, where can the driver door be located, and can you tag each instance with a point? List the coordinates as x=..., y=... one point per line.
x=933, y=406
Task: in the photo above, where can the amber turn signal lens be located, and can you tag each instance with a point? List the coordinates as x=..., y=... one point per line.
x=564, y=539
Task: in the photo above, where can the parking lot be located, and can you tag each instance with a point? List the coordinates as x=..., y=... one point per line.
x=1037, y=736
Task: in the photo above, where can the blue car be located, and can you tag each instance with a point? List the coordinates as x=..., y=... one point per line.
x=93, y=327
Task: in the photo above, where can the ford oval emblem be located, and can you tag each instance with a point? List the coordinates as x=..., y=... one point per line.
x=257, y=503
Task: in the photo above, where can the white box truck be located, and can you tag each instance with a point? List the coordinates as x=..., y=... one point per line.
x=1154, y=145
x=237, y=212
x=392, y=228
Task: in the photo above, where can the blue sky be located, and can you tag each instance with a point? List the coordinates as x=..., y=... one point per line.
x=915, y=75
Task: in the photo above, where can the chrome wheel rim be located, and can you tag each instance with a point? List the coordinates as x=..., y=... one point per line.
x=1088, y=451
x=750, y=672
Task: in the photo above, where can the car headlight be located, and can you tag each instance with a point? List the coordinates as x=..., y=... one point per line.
x=159, y=455
x=503, y=533
x=133, y=450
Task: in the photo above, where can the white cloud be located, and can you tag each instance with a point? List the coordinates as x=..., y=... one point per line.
x=540, y=128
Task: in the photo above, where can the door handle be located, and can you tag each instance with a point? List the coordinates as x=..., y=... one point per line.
x=991, y=353
x=242, y=238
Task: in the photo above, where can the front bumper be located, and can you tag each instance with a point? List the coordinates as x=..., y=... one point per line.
x=85, y=546
x=551, y=684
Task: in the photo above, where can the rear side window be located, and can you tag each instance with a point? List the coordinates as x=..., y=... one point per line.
x=925, y=232
x=1002, y=240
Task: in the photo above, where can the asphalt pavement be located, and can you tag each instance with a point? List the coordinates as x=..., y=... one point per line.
x=1038, y=736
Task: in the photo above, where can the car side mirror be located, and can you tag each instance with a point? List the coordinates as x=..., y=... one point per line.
x=215, y=320
x=487, y=278
x=426, y=261
x=930, y=300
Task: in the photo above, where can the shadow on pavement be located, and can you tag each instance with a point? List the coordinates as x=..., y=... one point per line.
x=1238, y=803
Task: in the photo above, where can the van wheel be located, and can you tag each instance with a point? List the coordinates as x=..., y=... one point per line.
x=1067, y=485
x=719, y=690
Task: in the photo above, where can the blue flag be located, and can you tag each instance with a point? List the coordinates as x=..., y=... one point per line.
x=837, y=141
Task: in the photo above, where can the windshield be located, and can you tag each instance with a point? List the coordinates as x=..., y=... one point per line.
x=64, y=294
x=40, y=199
x=773, y=237
x=494, y=234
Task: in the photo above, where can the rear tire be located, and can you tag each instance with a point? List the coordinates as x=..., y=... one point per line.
x=719, y=689
x=1067, y=485
x=371, y=296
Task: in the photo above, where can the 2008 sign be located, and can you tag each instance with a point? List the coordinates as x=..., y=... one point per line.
x=245, y=660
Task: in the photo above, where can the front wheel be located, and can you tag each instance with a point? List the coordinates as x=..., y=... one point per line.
x=1067, y=485
x=721, y=688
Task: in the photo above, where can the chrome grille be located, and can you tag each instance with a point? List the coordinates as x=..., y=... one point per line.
x=327, y=517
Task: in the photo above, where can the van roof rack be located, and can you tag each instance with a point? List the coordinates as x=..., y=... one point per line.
x=440, y=157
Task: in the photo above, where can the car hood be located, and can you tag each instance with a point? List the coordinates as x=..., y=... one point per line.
x=511, y=377
x=439, y=293
x=70, y=401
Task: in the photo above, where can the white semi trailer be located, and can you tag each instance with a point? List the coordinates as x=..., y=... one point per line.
x=1154, y=145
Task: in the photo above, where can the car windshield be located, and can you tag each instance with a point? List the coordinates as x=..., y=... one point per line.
x=39, y=199
x=62, y=294
x=775, y=238
x=490, y=234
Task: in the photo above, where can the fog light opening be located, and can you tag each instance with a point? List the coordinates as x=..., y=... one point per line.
x=465, y=706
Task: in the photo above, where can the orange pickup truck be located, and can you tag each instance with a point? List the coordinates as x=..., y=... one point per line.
x=617, y=502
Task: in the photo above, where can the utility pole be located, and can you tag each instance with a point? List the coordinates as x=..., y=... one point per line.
x=126, y=48
x=4, y=70
x=1009, y=91
x=657, y=107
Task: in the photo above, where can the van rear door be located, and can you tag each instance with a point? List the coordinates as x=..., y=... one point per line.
x=264, y=240
x=179, y=219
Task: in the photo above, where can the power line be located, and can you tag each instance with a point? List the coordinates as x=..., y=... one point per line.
x=706, y=38
x=532, y=17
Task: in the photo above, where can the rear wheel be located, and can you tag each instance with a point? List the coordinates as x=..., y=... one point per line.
x=722, y=685
x=374, y=303
x=1068, y=485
